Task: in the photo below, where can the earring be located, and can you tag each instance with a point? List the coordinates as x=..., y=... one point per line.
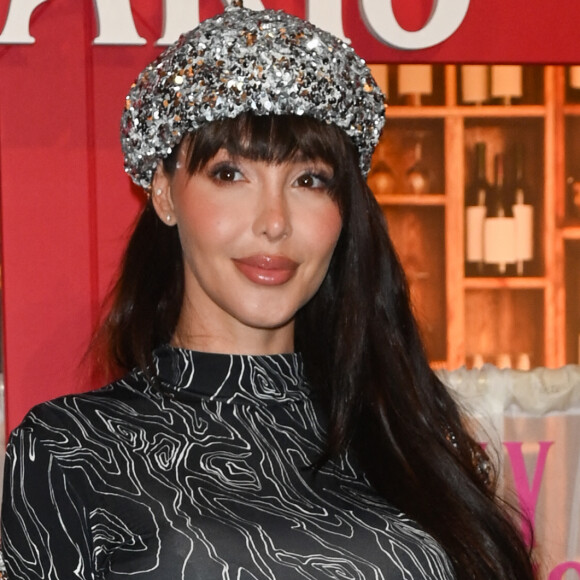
x=168, y=218
x=158, y=191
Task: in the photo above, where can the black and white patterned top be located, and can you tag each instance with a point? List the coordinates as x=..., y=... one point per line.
x=206, y=477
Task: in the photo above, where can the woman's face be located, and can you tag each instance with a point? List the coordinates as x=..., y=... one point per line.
x=257, y=239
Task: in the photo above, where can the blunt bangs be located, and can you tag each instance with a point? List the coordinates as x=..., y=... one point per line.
x=273, y=139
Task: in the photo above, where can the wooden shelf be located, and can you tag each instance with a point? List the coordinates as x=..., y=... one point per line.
x=571, y=109
x=502, y=111
x=522, y=283
x=467, y=111
x=571, y=232
x=424, y=199
x=419, y=112
x=488, y=316
x=438, y=364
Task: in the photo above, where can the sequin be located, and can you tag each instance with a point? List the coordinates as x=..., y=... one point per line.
x=267, y=62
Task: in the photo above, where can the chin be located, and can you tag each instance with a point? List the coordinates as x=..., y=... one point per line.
x=268, y=322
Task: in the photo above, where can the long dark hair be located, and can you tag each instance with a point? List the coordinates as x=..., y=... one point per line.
x=360, y=344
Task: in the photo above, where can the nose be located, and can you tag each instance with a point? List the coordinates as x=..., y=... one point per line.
x=273, y=215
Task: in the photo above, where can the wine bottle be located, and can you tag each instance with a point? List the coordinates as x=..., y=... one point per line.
x=573, y=193
x=506, y=82
x=499, y=230
x=476, y=198
x=519, y=186
x=417, y=176
x=523, y=214
x=381, y=179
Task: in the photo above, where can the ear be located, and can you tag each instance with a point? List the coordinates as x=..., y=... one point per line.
x=161, y=196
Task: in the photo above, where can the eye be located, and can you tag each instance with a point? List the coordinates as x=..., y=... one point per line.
x=313, y=180
x=225, y=172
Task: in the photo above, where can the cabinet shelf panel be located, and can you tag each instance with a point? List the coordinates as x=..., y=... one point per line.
x=510, y=283
x=503, y=111
x=428, y=199
x=438, y=364
x=571, y=93
x=503, y=136
x=504, y=323
x=402, y=141
x=532, y=86
x=434, y=98
x=572, y=167
x=418, y=234
x=572, y=286
x=468, y=111
x=535, y=316
x=398, y=112
x=571, y=232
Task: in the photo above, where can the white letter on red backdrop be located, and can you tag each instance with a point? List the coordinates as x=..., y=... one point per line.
x=17, y=27
x=253, y=4
x=183, y=15
x=116, y=25
x=327, y=14
x=446, y=17
x=178, y=16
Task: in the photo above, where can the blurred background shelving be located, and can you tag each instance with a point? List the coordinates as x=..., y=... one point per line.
x=524, y=313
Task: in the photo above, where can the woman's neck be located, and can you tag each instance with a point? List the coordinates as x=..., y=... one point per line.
x=196, y=334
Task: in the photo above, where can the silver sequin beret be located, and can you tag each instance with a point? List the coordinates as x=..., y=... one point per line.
x=267, y=62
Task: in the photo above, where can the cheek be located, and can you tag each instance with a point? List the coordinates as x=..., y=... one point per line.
x=204, y=224
x=325, y=230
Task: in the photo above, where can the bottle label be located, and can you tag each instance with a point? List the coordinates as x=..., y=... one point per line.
x=500, y=241
x=474, y=218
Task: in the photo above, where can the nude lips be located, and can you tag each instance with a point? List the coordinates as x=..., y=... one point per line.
x=267, y=270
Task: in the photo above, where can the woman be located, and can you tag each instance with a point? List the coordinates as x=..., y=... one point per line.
x=279, y=418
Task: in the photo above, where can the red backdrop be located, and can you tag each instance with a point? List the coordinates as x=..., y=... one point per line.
x=66, y=203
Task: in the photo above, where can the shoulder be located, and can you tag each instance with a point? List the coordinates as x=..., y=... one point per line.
x=73, y=412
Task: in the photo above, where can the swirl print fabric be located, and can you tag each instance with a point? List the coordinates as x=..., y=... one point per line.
x=205, y=475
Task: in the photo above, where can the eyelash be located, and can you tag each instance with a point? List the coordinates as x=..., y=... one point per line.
x=322, y=177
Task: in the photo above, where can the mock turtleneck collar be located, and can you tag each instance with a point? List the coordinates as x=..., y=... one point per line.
x=237, y=379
